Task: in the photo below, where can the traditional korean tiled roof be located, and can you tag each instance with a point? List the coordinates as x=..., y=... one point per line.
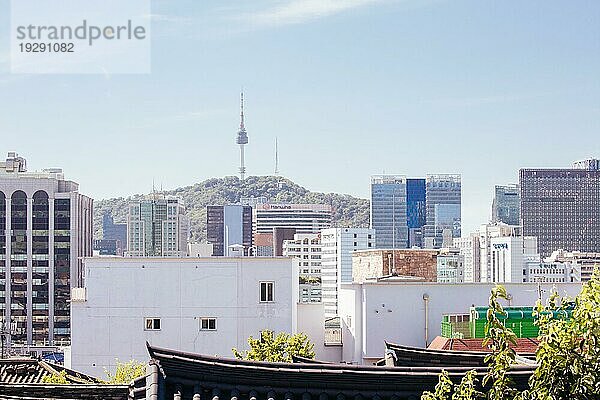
x=398, y=355
x=37, y=391
x=524, y=346
x=29, y=370
x=225, y=379
x=22, y=378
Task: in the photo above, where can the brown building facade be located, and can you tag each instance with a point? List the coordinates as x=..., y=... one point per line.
x=377, y=263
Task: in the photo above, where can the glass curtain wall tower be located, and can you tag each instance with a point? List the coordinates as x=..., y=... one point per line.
x=389, y=211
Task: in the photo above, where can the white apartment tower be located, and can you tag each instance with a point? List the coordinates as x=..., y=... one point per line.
x=336, y=261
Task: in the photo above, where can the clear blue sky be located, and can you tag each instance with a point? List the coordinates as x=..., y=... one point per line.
x=350, y=87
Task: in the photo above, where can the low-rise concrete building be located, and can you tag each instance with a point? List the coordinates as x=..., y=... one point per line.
x=410, y=314
x=369, y=264
x=206, y=305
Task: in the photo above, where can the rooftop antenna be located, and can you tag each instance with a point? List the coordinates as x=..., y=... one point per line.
x=276, y=157
x=242, y=138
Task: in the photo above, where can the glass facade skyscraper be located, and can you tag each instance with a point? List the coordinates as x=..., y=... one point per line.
x=415, y=211
x=561, y=207
x=506, y=206
x=228, y=225
x=443, y=208
x=389, y=211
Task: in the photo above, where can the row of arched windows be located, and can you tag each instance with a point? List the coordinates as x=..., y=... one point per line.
x=18, y=205
x=19, y=195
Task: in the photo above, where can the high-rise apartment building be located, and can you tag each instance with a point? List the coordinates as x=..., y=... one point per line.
x=415, y=211
x=304, y=218
x=157, y=227
x=336, y=261
x=45, y=230
x=506, y=206
x=561, y=207
x=389, y=210
x=443, y=208
x=306, y=248
x=227, y=226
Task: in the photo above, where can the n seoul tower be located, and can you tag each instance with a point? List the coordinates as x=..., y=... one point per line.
x=242, y=139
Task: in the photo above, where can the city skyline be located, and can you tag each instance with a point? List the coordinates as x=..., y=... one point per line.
x=434, y=86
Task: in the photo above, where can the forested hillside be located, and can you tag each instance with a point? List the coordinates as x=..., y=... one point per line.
x=348, y=210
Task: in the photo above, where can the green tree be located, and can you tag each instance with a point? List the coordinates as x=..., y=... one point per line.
x=57, y=378
x=502, y=356
x=126, y=372
x=277, y=348
x=568, y=356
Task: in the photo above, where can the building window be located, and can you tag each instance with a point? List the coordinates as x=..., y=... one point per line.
x=152, y=324
x=266, y=291
x=208, y=324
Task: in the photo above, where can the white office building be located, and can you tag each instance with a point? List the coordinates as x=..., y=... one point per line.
x=549, y=271
x=470, y=252
x=306, y=248
x=336, y=260
x=511, y=258
x=486, y=233
x=198, y=305
x=304, y=218
x=579, y=265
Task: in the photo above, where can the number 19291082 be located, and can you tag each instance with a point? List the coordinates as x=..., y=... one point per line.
x=47, y=47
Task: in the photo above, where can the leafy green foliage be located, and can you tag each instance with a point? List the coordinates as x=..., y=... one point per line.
x=466, y=390
x=347, y=210
x=569, y=353
x=126, y=372
x=56, y=379
x=568, y=356
x=277, y=348
x=502, y=356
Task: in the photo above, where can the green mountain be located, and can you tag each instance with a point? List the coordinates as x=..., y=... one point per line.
x=348, y=211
